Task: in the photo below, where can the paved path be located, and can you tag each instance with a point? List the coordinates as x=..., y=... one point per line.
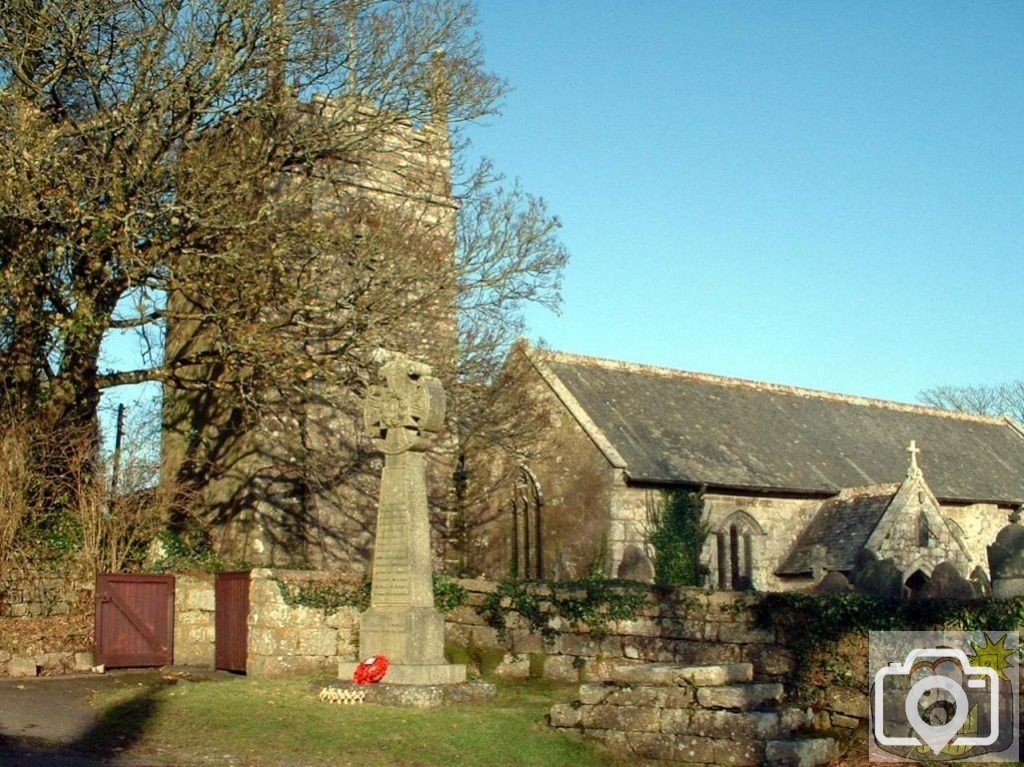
x=47, y=721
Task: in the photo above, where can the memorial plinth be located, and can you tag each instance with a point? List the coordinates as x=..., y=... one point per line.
x=402, y=622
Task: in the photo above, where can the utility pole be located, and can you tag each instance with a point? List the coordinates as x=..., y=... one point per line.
x=115, y=473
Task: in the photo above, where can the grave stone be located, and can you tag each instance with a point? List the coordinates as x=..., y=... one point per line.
x=947, y=583
x=833, y=583
x=874, y=576
x=1006, y=560
x=635, y=565
x=982, y=584
x=818, y=561
x=401, y=622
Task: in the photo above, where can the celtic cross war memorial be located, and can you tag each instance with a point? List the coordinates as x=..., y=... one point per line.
x=402, y=622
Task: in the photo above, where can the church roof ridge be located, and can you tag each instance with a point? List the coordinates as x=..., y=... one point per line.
x=748, y=383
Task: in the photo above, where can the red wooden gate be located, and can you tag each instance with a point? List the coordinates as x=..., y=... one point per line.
x=134, y=620
x=232, y=621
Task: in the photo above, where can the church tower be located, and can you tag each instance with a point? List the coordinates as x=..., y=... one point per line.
x=293, y=481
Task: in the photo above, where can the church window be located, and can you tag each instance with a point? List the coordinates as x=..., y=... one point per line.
x=734, y=554
x=525, y=507
x=739, y=557
x=722, y=559
x=735, y=551
x=923, y=533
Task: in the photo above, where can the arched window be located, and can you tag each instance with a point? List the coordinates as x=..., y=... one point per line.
x=735, y=555
x=527, y=552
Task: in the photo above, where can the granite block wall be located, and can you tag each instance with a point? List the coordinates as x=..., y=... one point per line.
x=286, y=638
x=40, y=593
x=194, y=629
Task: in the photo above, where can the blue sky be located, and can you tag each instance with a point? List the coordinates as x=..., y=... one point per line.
x=822, y=194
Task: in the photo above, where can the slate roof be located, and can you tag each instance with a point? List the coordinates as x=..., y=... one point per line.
x=673, y=427
x=843, y=525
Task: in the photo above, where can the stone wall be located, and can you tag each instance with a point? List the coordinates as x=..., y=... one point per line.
x=45, y=622
x=39, y=594
x=193, y=627
x=692, y=627
x=283, y=638
x=287, y=638
x=194, y=631
x=695, y=627
x=44, y=663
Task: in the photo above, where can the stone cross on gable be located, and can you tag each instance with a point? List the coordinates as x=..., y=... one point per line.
x=410, y=403
x=914, y=470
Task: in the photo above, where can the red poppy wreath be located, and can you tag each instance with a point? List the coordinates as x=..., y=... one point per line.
x=371, y=670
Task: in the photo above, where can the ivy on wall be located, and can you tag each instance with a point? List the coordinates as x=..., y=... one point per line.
x=448, y=595
x=551, y=608
x=188, y=549
x=823, y=631
x=827, y=617
x=324, y=596
x=676, y=529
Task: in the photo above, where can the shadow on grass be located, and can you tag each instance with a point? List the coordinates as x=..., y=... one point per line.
x=121, y=726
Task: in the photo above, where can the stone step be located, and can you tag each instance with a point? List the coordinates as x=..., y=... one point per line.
x=658, y=696
x=748, y=725
x=674, y=674
x=812, y=752
x=742, y=725
x=740, y=697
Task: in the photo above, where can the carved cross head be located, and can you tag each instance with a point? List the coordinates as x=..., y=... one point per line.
x=408, y=405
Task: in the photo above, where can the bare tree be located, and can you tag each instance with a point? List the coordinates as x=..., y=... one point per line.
x=169, y=149
x=508, y=256
x=221, y=168
x=1001, y=399
x=99, y=527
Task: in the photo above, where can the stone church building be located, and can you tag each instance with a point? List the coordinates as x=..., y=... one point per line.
x=797, y=484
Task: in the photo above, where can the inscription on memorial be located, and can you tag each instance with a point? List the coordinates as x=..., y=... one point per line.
x=391, y=567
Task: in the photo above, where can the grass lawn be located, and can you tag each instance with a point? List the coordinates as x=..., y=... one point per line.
x=280, y=723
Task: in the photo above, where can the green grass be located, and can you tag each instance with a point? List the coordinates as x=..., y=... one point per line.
x=280, y=723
